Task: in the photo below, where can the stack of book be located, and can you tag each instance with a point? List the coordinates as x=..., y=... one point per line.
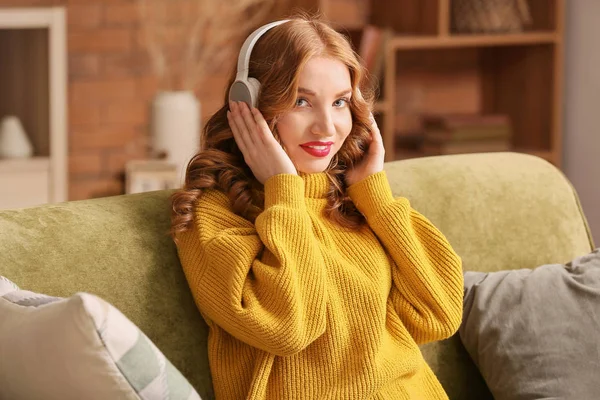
x=372, y=49
x=466, y=133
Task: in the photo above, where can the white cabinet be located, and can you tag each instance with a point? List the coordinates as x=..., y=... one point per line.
x=25, y=183
x=33, y=86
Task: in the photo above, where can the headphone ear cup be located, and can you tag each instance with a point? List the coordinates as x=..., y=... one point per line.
x=254, y=89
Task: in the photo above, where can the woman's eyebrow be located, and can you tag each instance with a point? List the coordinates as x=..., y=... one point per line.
x=311, y=93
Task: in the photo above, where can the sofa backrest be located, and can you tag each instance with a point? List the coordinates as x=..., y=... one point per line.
x=116, y=248
x=499, y=211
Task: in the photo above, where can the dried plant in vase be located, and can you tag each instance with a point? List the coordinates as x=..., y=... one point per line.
x=188, y=41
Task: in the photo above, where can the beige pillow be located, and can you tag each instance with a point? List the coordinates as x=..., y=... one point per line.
x=78, y=348
x=535, y=334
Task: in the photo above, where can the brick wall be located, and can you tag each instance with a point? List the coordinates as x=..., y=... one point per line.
x=111, y=85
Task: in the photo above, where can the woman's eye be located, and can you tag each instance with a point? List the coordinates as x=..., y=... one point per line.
x=340, y=102
x=301, y=102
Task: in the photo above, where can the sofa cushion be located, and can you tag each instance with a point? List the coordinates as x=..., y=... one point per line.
x=533, y=333
x=7, y=286
x=80, y=347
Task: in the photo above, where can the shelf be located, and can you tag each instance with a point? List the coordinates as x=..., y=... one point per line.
x=431, y=42
x=34, y=82
x=29, y=17
x=10, y=165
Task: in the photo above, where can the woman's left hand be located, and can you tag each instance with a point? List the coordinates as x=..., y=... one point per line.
x=373, y=159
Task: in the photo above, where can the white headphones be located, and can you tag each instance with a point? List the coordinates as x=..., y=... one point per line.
x=244, y=88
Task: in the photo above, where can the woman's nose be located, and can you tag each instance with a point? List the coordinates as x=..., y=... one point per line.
x=323, y=124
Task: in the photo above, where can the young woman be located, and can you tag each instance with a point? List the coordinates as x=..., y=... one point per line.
x=315, y=281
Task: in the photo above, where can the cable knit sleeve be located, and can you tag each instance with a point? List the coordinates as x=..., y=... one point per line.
x=264, y=283
x=427, y=288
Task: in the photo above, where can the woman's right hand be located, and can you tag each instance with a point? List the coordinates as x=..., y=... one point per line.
x=263, y=154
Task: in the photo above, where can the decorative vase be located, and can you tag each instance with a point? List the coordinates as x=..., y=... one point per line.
x=175, y=127
x=14, y=142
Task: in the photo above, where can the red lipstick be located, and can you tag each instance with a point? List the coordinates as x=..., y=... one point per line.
x=317, y=149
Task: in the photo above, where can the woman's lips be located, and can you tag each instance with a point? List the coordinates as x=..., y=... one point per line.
x=317, y=150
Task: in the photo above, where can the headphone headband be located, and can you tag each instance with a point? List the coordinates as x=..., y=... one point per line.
x=244, y=57
x=245, y=88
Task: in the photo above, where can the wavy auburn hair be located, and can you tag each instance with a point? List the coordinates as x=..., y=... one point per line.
x=276, y=61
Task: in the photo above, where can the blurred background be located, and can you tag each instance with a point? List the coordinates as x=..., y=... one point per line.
x=106, y=97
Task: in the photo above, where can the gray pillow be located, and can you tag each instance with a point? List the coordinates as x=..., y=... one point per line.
x=535, y=334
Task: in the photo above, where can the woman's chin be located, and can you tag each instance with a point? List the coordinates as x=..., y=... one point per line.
x=312, y=168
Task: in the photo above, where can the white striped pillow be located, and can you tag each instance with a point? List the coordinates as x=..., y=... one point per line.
x=80, y=347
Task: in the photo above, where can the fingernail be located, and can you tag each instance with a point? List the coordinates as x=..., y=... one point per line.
x=230, y=104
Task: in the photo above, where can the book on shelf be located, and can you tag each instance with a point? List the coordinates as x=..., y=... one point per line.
x=471, y=146
x=372, y=48
x=467, y=133
x=467, y=128
x=455, y=121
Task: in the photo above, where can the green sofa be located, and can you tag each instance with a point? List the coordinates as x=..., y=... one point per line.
x=499, y=211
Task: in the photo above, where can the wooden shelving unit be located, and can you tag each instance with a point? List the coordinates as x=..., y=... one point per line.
x=33, y=83
x=430, y=69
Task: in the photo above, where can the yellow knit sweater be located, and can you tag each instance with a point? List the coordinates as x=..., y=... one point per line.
x=301, y=308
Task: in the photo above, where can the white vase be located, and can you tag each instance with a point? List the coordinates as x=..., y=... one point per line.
x=175, y=127
x=14, y=142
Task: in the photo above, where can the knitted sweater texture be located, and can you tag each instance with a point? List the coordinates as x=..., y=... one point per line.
x=301, y=308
